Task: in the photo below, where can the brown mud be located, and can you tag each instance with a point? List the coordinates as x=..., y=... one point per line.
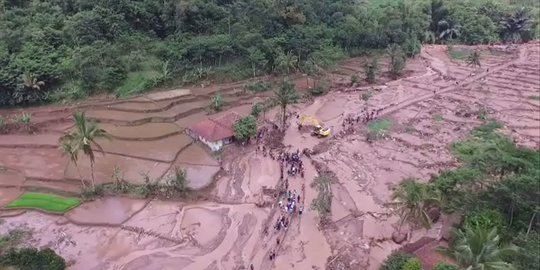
x=439, y=100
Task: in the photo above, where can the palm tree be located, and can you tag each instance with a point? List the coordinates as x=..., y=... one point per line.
x=514, y=25
x=31, y=81
x=474, y=59
x=447, y=30
x=83, y=138
x=479, y=249
x=413, y=200
x=283, y=96
x=67, y=148
x=286, y=62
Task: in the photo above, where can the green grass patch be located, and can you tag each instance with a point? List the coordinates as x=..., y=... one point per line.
x=534, y=97
x=137, y=82
x=47, y=202
x=437, y=117
x=456, y=53
x=259, y=86
x=378, y=128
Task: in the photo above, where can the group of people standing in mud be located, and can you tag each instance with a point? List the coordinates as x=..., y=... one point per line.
x=364, y=117
x=293, y=205
x=293, y=164
x=289, y=202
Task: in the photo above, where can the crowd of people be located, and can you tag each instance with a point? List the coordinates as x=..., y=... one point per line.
x=291, y=162
x=290, y=202
x=364, y=117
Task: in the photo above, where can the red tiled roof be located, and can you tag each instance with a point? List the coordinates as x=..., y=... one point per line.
x=216, y=129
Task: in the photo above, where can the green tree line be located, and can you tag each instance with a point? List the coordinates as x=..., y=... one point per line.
x=53, y=50
x=496, y=189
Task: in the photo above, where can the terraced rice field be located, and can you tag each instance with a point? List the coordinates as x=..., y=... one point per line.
x=438, y=101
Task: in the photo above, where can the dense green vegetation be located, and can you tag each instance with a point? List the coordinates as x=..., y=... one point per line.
x=32, y=259
x=396, y=261
x=48, y=202
x=497, y=189
x=67, y=49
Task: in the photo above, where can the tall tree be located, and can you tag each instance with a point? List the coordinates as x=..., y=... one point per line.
x=479, y=249
x=413, y=200
x=283, y=96
x=513, y=25
x=83, y=138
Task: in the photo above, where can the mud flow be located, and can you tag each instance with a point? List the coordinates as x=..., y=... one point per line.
x=241, y=222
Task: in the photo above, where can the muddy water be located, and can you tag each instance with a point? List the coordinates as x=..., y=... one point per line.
x=36, y=163
x=132, y=169
x=146, y=105
x=196, y=154
x=8, y=194
x=198, y=176
x=202, y=224
x=261, y=172
x=10, y=178
x=146, y=131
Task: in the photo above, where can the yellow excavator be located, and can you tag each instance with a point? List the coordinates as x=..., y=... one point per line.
x=318, y=129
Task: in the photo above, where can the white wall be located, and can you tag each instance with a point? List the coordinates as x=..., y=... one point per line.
x=214, y=146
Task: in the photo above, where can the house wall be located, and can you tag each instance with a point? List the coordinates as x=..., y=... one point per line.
x=214, y=146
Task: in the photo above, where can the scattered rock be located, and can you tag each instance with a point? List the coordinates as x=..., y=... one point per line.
x=399, y=237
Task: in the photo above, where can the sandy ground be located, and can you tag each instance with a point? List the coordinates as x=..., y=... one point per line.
x=437, y=102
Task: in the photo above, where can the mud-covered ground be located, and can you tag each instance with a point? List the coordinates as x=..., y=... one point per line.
x=439, y=100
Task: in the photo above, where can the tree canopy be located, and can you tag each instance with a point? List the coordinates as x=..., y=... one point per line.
x=60, y=50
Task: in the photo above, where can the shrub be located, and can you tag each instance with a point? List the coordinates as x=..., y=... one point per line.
x=370, y=69
x=2, y=122
x=397, y=61
x=259, y=86
x=412, y=264
x=26, y=118
x=395, y=261
x=178, y=180
x=216, y=103
x=529, y=256
x=354, y=79
x=70, y=91
x=445, y=266
x=486, y=219
x=257, y=108
x=437, y=117
x=32, y=258
x=378, y=128
x=245, y=128
x=319, y=89
x=365, y=96
x=412, y=47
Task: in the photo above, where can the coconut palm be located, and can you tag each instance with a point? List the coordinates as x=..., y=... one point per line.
x=479, y=249
x=474, y=59
x=286, y=62
x=447, y=30
x=514, y=24
x=413, y=200
x=31, y=81
x=83, y=138
x=283, y=96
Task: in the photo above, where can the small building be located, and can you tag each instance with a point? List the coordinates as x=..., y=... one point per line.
x=215, y=132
